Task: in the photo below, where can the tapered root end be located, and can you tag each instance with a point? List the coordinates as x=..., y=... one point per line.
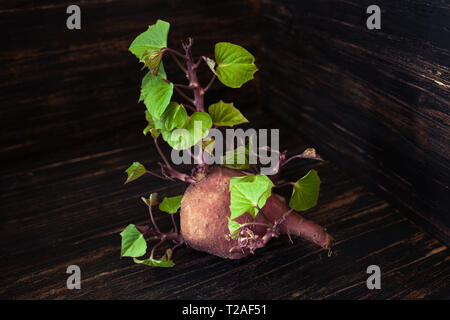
x=310, y=231
x=296, y=225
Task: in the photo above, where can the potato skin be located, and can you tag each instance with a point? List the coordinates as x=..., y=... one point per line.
x=204, y=214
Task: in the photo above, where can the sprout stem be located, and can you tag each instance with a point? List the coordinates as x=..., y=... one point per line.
x=161, y=153
x=210, y=83
x=192, y=76
x=284, y=184
x=247, y=224
x=156, y=246
x=183, y=95
x=189, y=107
x=153, y=220
x=174, y=224
x=175, y=52
x=154, y=174
x=181, y=86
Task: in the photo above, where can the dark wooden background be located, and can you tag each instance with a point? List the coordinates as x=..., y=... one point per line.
x=376, y=102
x=368, y=101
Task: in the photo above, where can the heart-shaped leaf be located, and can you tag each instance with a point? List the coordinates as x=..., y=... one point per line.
x=305, y=192
x=134, y=171
x=155, y=38
x=198, y=126
x=174, y=116
x=249, y=194
x=156, y=92
x=235, y=65
x=171, y=204
x=225, y=114
x=133, y=242
x=195, y=129
x=147, y=77
x=178, y=139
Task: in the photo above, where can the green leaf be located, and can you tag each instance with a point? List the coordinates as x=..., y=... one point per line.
x=155, y=38
x=164, y=262
x=174, y=116
x=178, y=139
x=148, y=128
x=249, y=193
x=155, y=263
x=153, y=60
x=152, y=200
x=234, y=228
x=134, y=171
x=305, y=192
x=236, y=159
x=235, y=65
x=148, y=76
x=208, y=145
x=195, y=129
x=157, y=94
x=154, y=126
x=239, y=158
x=171, y=204
x=225, y=114
x=198, y=126
x=133, y=242
x=211, y=64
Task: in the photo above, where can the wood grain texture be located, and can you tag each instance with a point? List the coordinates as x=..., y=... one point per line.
x=375, y=102
x=71, y=125
x=71, y=212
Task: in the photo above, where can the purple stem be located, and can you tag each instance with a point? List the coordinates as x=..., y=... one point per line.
x=153, y=220
x=161, y=153
x=154, y=174
x=192, y=76
x=210, y=83
x=174, y=224
x=184, y=95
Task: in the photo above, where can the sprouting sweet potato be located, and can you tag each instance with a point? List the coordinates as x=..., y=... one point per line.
x=225, y=212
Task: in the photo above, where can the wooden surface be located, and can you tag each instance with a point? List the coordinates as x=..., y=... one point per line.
x=71, y=212
x=71, y=125
x=376, y=102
